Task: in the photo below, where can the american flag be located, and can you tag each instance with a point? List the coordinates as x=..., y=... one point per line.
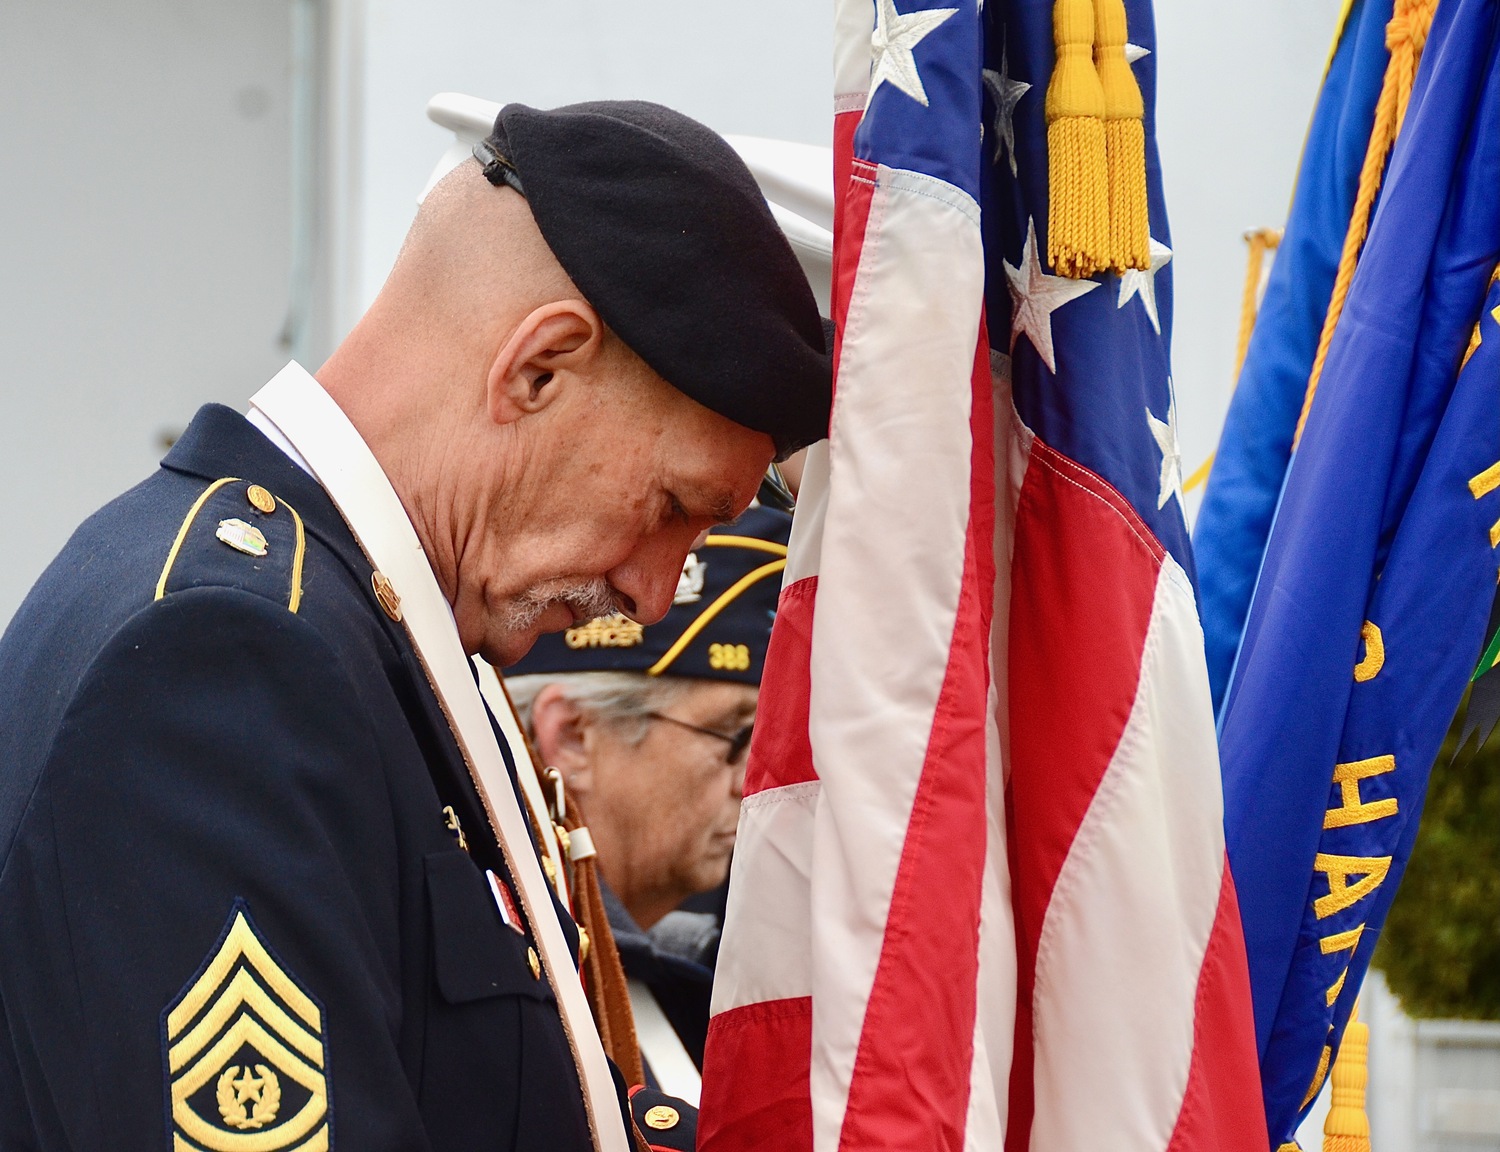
x=980, y=894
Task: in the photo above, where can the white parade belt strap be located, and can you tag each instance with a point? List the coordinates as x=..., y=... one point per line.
x=662, y=1047
x=341, y=461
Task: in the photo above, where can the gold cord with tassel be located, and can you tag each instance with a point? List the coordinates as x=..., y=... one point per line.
x=1347, y=1128
x=1078, y=180
x=1405, y=37
x=1124, y=141
x=1261, y=241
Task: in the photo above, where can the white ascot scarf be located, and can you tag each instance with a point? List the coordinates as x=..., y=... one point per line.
x=328, y=446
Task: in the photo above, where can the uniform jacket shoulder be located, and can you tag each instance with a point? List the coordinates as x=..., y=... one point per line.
x=238, y=534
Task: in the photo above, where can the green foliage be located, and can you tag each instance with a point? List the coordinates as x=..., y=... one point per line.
x=1440, y=950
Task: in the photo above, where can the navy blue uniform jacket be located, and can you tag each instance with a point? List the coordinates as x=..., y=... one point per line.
x=232, y=914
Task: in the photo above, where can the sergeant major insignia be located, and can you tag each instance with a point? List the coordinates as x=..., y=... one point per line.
x=245, y=1053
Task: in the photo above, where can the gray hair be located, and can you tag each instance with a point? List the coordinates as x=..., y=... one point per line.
x=624, y=700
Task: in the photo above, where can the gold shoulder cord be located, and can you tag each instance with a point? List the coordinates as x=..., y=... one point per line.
x=294, y=600
x=187, y=522
x=264, y=503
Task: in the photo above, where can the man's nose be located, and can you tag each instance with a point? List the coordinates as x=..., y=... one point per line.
x=647, y=581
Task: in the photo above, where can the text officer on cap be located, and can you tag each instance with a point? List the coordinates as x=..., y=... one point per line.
x=256, y=885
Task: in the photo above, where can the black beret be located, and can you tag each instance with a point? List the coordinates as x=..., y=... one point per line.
x=717, y=628
x=663, y=229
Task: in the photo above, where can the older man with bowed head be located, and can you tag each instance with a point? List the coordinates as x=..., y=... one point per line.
x=649, y=727
x=267, y=876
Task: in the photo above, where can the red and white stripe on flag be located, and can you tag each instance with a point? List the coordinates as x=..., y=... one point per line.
x=935, y=729
x=866, y=982
x=1134, y=1023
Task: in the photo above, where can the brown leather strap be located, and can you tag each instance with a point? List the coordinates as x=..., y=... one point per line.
x=604, y=976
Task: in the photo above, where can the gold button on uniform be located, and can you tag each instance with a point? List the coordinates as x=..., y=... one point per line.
x=390, y=603
x=260, y=499
x=535, y=962
x=662, y=1117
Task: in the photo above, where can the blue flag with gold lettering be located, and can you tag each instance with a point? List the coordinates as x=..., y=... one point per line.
x=1371, y=607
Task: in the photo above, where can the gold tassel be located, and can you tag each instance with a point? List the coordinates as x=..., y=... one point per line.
x=1078, y=212
x=1124, y=139
x=1347, y=1128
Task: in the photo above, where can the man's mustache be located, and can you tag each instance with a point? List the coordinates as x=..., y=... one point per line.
x=586, y=599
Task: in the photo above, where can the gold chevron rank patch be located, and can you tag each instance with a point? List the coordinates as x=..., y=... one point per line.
x=245, y=1053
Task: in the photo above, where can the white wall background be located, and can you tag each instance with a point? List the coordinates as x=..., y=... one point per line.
x=146, y=186
x=762, y=69
x=1238, y=79
x=144, y=240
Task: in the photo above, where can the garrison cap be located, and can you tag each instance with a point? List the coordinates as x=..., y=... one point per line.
x=717, y=628
x=663, y=229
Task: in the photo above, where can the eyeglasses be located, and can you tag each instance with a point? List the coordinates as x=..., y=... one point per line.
x=738, y=742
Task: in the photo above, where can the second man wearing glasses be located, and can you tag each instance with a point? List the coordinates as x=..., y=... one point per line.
x=649, y=729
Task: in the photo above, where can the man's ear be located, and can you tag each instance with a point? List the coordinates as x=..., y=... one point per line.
x=557, y=340
x=559, y=727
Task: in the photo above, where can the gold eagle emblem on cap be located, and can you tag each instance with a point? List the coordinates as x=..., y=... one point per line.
x=245, y=1053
